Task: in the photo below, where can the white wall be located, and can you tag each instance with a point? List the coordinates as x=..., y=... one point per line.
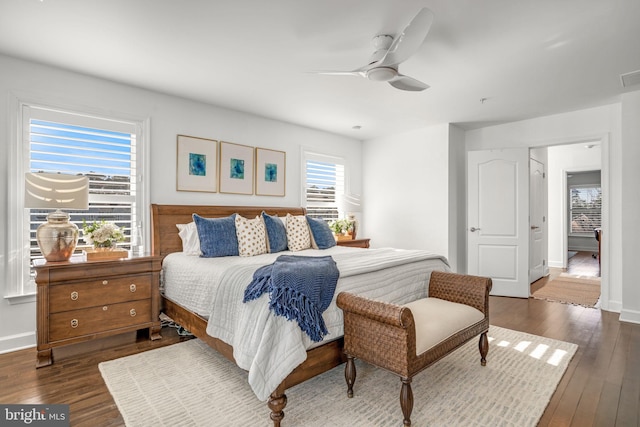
x=406, y=190
x=630, y=206
x=602, y=124
x=563, y=159
x=169, y=116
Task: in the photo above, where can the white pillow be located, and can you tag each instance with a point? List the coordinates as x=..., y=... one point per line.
x=298, y=236
x=252, y=236
x=190, y=241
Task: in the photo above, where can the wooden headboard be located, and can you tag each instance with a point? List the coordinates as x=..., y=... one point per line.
x=164, y=233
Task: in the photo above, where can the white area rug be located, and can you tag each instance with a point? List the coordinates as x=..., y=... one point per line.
x=189, y=384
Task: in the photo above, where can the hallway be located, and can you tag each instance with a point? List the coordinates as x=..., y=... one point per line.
x=582, y=264
x=579, y=283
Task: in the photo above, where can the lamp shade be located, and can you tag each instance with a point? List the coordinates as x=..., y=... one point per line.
x=57, y=238
x=56, y=191
x=352, y=202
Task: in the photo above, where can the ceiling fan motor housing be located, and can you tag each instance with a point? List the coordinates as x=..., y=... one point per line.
x=382, y=74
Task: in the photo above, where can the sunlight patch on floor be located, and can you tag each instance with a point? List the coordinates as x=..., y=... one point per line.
x=537, y=353
x=557, y=357
x=522, y=346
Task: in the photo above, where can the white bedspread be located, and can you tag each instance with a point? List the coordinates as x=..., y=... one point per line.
x=270, y=346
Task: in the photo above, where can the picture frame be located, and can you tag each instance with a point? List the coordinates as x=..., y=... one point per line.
x=236, y=168
x=271, y=173
x=197, y=164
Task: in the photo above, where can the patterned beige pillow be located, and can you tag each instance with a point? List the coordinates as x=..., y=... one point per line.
x=252, y=236
x=298, y=237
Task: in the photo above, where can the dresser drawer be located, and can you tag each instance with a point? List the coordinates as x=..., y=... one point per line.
x=101, y=292
x=92, y=270
x=70, y=324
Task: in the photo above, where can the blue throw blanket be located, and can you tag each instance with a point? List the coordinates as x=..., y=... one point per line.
x=300, y=288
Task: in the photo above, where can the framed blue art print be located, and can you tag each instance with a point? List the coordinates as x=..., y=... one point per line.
x=197, y=164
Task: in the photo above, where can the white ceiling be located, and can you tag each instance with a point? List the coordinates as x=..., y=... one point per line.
x=527, y=58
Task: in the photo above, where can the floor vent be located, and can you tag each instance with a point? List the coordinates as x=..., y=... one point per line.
x=630, y=79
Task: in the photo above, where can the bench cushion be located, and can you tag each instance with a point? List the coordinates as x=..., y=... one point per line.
x=437, y=319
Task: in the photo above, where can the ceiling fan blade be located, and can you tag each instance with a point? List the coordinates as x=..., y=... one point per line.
x=336, y=73
x=359, y=72
x=403, y=82
x=410, y=40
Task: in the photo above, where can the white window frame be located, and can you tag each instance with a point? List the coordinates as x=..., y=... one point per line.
x=20, y=286
x=326, y=158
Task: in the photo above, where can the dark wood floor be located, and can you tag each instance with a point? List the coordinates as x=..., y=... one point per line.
x=600, y=388
x=582, y=264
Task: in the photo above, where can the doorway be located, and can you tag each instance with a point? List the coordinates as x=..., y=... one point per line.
x=578, y=284
x=573, y=250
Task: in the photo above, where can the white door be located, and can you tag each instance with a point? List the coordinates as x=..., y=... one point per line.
x=537, y=220
x=497, y=219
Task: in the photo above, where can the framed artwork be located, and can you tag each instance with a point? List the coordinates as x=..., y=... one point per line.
x=236, y=168
x=270, y=172
x=197, y=164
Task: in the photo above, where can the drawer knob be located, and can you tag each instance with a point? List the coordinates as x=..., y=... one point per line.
x=132, y=287
x=105, y=282
x=105, y=308
x=74, y=296
x=132, y=312
x=74, y=323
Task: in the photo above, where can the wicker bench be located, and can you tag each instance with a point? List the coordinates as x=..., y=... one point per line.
x=407, y=339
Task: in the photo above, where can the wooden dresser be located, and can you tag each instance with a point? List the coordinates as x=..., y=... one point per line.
x=354, y=243
x=81, y=300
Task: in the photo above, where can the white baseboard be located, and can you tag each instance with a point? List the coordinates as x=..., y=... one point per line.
x=613, y=306
x=556, y=264
x=17, y=342
x=631, y=316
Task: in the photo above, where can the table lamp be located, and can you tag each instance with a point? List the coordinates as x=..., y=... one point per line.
x=57, y=238
x=352, y=205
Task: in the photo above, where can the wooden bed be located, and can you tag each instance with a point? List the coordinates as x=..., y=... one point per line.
x=165, y=240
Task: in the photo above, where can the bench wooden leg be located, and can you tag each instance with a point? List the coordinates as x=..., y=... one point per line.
x=350, y=375
x=277, y=402
x=406, y=400
x=483, y=345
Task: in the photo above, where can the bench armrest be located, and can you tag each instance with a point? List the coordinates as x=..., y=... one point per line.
x=461, y=288
x=379, y=311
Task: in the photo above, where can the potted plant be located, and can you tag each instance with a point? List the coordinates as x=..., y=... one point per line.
x=342, y=228
x=102, y=234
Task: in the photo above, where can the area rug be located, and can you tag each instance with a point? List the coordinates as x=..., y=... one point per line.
x=189, y=384
x=584, y=291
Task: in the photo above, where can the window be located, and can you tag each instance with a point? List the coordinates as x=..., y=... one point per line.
x=324, y=186
x=105, y=150
x=585, y=209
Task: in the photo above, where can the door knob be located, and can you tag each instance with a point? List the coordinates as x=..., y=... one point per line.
x=472, y=229
x=534, y=227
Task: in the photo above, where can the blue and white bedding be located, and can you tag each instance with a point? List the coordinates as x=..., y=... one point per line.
x=270, y=346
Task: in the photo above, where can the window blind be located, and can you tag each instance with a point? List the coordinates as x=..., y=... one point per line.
x=324, y=188
x=586, y=209
x=107, y=157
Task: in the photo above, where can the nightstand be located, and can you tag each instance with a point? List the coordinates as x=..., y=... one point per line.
x=81, y=300
x=355, y=243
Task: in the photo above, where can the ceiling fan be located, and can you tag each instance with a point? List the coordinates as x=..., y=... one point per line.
x=391, y=52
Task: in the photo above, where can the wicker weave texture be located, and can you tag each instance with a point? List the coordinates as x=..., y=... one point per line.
x=383, y=334
x=461, y=288
x=378, y=343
